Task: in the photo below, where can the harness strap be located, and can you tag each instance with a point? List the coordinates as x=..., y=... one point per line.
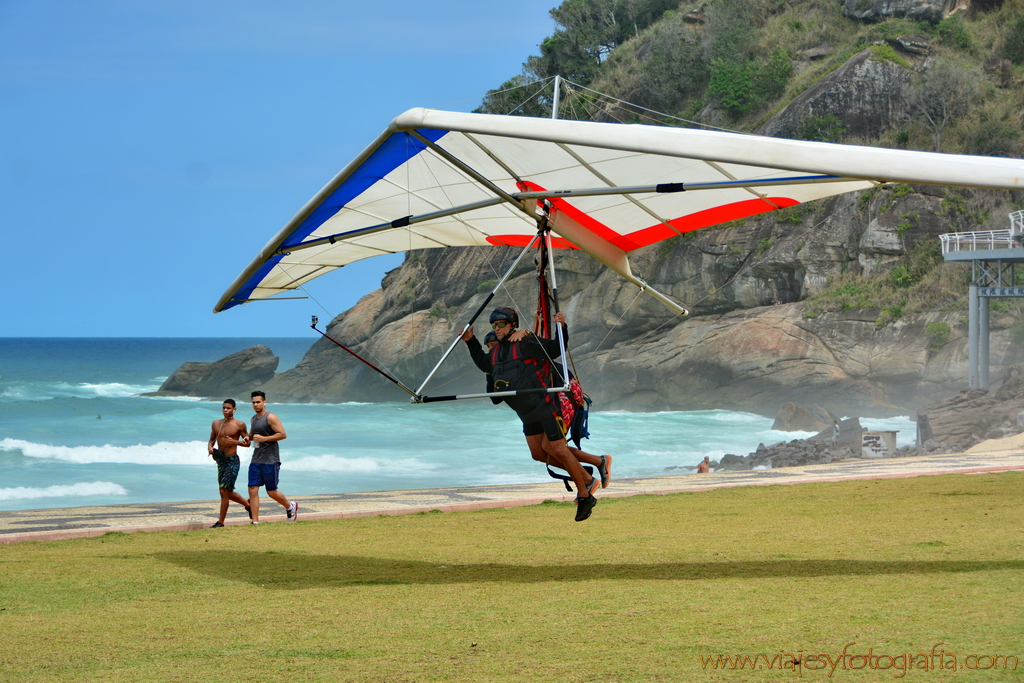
x=565, y=478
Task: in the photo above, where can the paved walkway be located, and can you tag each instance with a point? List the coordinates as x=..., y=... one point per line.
x=64, y=523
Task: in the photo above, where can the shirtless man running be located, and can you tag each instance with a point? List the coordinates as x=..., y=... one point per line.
x=225, y=437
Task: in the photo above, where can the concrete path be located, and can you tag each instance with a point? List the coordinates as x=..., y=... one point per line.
x=64, y=523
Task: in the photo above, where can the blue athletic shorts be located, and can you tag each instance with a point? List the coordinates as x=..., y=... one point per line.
x=264, y=475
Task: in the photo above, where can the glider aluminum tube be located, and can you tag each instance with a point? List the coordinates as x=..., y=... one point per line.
x=381, y=227
x=493, y=394
x=558, y=96
x=419, y=392
x=644, y=287
x=554, y=297
x=680, y=187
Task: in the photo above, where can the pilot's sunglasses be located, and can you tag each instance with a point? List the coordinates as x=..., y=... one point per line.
x=500, y=324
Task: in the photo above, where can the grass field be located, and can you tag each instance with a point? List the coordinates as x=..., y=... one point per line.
x=651, y=588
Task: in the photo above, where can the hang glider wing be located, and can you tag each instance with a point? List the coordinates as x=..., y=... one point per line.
x=442, y=179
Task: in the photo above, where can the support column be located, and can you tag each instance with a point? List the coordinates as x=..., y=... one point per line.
x=983, y=342
x=972, y=336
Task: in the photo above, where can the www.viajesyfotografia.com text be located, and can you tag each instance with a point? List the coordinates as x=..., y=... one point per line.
x=936, y=659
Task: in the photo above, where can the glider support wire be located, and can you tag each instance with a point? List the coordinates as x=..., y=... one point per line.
x=418, y=397
x=459, y=164
x=375, y=368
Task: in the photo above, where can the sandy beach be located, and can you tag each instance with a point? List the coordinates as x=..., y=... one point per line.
x=1002, y=455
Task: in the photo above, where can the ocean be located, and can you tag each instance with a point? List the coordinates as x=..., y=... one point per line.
x=75, y=432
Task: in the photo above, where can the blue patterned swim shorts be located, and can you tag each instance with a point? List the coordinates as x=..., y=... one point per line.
x=227, y=469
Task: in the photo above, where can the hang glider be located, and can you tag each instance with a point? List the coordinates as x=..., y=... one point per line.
x=445, y=179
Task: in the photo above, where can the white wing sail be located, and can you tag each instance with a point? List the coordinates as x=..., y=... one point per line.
x=442, y=179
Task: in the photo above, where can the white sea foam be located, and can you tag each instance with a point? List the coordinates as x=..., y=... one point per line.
x=161, y=453
x=92, y=488
x=43, y=391
x=648, y=453
x=111, y=389
x=194, y=453
x=334, y=463
x=193, y=399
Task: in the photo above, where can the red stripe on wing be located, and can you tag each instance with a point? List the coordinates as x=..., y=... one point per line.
x=652, y=234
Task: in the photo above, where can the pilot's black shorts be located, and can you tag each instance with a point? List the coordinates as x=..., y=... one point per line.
x=549, y=425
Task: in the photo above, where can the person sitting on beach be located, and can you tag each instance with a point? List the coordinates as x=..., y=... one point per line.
x=704, y=466
x=225, y=437
x=265, y=468
x=520, y=360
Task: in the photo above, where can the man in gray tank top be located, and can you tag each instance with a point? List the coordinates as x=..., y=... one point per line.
x=265, y=469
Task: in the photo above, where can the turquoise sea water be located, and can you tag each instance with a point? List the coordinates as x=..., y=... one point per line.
x=73, y=431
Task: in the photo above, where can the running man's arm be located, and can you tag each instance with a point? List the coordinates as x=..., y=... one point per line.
x=213, y=438
x=275, y=424
x=243, y=436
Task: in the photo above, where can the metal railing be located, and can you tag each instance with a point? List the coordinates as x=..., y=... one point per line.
x=978, y=241
x=987, y=239
x=1017, y=223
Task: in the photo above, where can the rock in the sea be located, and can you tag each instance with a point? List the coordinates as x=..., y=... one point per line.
x=228, y=377
x=793, y=417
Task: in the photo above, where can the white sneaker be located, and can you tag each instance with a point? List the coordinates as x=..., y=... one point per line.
x=293, y=511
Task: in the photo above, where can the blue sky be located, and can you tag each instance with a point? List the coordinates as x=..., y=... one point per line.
x=148, y=150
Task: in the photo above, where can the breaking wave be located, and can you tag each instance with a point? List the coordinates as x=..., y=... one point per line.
x=43, y=391
x=162, y=453
x=334, y=463
x=194, y=453
x=92, y=488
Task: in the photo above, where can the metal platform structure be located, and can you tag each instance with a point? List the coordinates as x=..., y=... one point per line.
x=994, y=256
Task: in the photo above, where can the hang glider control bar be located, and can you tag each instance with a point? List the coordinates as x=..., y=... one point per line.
x=519, y=197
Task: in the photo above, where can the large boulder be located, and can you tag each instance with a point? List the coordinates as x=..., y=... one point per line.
x=974, y=415
x=793, y=417
x=866, y=94
x=234, y=375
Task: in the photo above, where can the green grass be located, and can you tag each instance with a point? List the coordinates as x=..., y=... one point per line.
x=637, y=593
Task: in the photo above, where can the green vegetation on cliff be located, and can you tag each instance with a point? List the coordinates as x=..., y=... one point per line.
x=738, y=64
x=735, y=62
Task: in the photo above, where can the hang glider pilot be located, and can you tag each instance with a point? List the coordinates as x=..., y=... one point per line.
x=522, y=360
x=603, y=462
